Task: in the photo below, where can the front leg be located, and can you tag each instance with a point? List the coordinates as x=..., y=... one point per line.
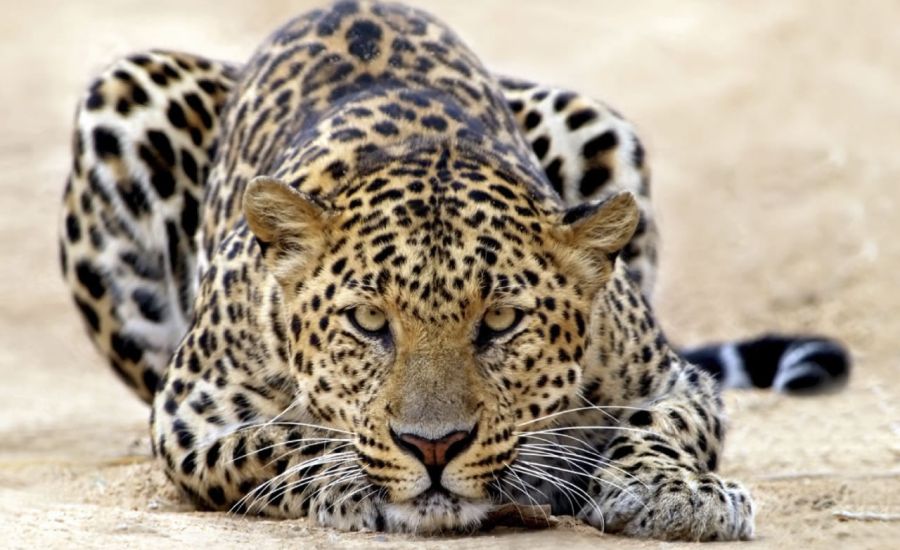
x=663, y=434
x=668, y=449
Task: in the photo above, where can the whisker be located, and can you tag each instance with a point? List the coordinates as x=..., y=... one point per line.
x=525, y=486
x=512, y=501
x=597, y=456
x=330, y=452
x=346, y=479
x=584, y=473
x=325, y=459
x=567, y=411
x=576, y=428
x=277, y=491
x=292, y=442
x=296, y=424
x=350, y=495
x=589, y=476
x=555, y=482
x=523, y=464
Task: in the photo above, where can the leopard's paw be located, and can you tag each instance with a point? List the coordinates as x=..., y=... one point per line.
x=673, y=506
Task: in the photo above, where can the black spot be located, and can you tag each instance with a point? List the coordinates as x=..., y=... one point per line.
x=134, y=197
x=384, y=254
x=666, y=450
x=183, y=434
x=363, y=38
x=562, y=101
x=123, y=106
x=216, y=495
x=638, y=155
x=89, y=314
x=621, y=452
x=386, y=128
x=162, y=145
x=190, y=212
x=138, y=95
x=90, y=278
x=189, y=464
x=164, y=183
x=212, y=455
x=148, y=304
x=194, y=363
x=554, y=333
x=338, y=266
x=189, y=166
x=126, y=348
x=641, y=418
x=73, y=228
x=540, y=146
x=337, y=169
x=592, y=180
x=579, y=118
x=434, y=122
x=196, y=105
x=604, y=142
x=106, y=144
x=553, y=174
x=532, y=119
x=176, y=115
x=94, y=101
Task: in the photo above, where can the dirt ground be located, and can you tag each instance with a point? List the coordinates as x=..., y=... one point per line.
x=772, y=129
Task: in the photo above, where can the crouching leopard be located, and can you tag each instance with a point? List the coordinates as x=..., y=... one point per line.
x=360, y=278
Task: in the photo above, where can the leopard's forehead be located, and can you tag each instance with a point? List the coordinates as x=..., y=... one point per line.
x=440, y=230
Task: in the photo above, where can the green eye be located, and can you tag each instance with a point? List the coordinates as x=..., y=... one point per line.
x=496, y=322
x=368, y=319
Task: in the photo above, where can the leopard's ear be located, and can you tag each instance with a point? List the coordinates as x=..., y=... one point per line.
x=290, y=226
x=597, y=232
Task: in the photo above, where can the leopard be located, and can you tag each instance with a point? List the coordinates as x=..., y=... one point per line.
x=364, y=280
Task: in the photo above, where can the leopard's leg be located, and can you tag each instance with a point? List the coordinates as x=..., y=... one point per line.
x=589, y=152
x=145, y=132
x=657, y=478
x=654, y=477
x=636, y=455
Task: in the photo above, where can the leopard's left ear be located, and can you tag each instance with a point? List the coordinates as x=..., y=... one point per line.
x=597, y=232
x=290, y=226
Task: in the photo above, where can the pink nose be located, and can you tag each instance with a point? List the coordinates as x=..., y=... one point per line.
x=436, y=452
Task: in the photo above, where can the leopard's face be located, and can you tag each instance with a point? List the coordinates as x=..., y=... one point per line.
x=433, y=321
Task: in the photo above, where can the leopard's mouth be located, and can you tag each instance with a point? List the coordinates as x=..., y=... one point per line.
x=436, y=510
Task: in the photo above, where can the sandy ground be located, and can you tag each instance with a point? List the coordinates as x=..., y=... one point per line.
x=773, y=134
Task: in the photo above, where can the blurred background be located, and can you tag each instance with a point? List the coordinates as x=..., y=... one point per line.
x=772, y=131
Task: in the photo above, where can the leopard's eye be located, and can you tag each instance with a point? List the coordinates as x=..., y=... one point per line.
x=499, y=319
x=496, y=322
x=368, y=319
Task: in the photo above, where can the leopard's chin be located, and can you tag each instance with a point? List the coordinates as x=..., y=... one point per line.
x=435, y=512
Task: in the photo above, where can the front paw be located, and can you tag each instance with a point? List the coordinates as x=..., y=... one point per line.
x=672, y=506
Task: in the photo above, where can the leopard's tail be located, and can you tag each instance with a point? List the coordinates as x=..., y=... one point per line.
x=790, y=364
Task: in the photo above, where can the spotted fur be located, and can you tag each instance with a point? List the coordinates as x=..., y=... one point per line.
x=222, y=223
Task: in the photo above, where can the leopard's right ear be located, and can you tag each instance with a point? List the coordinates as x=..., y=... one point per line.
x=290, y=226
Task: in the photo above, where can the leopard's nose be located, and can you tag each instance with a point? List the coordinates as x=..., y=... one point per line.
x=435, y=454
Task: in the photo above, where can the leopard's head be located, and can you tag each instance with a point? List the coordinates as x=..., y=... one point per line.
x=432, y=310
